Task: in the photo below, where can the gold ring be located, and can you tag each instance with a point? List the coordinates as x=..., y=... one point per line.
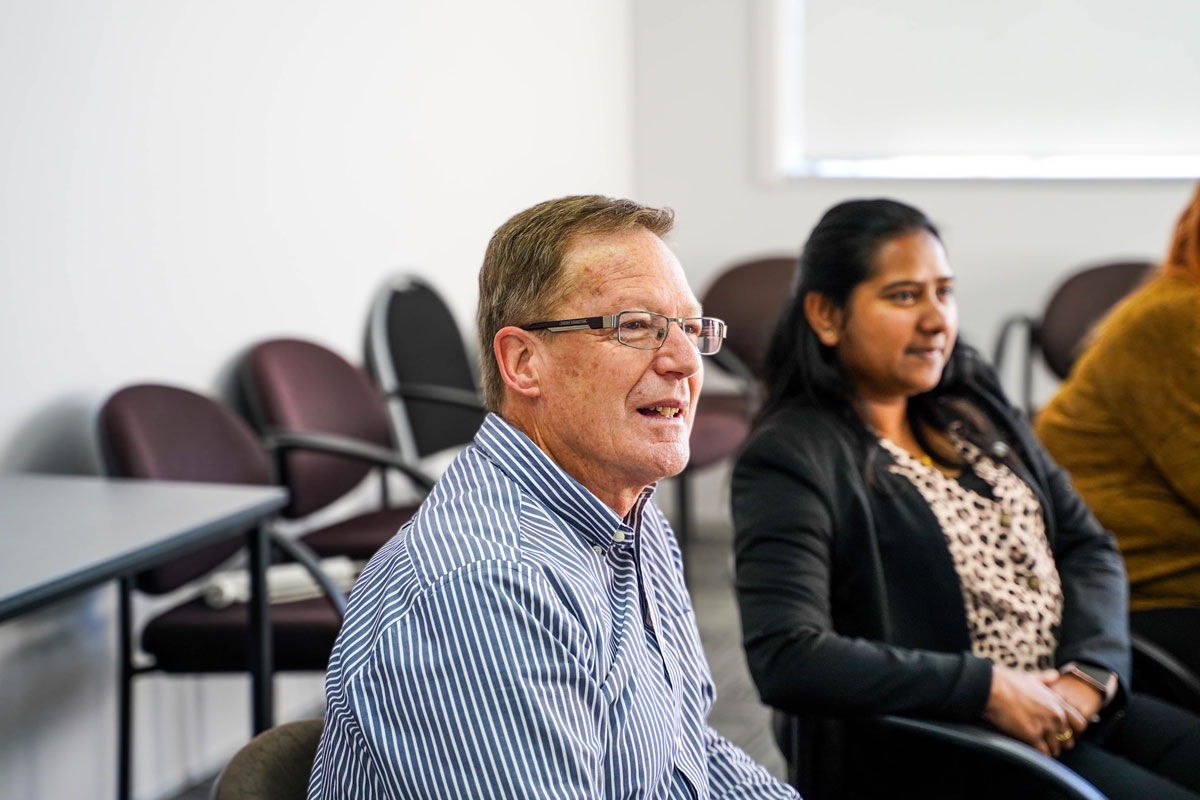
x=1064, y=735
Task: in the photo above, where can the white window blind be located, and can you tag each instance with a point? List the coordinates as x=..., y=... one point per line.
x=952, y=88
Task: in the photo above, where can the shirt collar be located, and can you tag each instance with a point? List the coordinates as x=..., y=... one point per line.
x=524, y=462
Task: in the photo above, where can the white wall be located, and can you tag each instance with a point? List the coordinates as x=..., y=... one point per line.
x=181, y=179
x=697, y=102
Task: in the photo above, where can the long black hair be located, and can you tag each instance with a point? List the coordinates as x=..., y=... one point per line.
x=840, y=254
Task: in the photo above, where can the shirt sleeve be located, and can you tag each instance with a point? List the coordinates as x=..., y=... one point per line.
x=480, y=690
x=733, y=774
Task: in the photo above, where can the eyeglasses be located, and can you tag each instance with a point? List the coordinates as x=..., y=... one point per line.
x=644, y=330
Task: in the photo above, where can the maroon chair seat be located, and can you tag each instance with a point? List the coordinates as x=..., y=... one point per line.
x=722, y=403
x=715, y=435
x=196, y=638
x=358, y=537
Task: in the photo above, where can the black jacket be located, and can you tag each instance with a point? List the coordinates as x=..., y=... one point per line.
x=849, y=599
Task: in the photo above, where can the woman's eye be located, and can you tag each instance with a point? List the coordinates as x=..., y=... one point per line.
x=945, y=291
x=904, y=296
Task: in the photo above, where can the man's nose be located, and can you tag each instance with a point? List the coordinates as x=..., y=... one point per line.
x=677, y=353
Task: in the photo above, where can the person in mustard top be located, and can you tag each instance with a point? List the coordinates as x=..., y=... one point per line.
x=1126, y=425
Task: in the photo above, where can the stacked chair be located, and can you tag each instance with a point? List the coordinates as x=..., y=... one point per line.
x=749, y=296
x=1073, y=309
x=417, y=357
x=161, y=432
x=326, y=426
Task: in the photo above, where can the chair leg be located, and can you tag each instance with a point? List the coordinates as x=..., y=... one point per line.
x=683, y=516
x=125, y=691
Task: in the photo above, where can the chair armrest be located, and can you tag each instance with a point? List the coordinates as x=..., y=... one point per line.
x=1033, y=329
x=282, y=441
x=998, y=746
x=1006, y=327
x=303, y=554
x=449, y=395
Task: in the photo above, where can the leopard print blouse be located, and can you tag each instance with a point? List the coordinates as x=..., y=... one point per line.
x=1010, y=585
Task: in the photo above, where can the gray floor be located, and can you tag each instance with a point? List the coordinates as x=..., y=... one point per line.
x=738, y=715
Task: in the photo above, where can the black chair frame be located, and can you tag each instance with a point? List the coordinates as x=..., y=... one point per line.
x=398, y=392
x=816, y=744
x=260, y=541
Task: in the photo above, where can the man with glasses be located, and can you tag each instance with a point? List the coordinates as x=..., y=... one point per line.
x=528, y=634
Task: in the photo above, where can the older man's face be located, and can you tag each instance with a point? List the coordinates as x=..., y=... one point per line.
x=617, y=418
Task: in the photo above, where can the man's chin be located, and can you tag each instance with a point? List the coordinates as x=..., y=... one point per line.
x=667, y=464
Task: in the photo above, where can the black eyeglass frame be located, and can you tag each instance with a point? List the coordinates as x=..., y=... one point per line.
x=612, y=321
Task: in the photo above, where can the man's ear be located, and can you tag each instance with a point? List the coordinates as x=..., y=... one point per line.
x=824, y=318
x=516, y=353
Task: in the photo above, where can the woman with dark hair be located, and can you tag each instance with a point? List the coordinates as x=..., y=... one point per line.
x=903, y=543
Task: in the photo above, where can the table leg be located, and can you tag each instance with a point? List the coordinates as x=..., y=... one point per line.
x=261, y=657
x=125, y=690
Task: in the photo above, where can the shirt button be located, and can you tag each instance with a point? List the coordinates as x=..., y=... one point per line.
x=679, y=742
x=1034, y=583
x=619, y=536
x=1006, y=519
x=599, y=550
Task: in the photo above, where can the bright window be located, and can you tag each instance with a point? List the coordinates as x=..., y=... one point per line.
x=954, y=89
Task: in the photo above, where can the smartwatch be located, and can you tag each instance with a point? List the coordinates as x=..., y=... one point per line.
x=1100, y=679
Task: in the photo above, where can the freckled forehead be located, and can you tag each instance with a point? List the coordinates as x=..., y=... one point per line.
x=631, y=269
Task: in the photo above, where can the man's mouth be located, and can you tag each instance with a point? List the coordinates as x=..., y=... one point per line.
x=669, y=412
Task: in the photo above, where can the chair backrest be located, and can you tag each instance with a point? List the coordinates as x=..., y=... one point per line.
x=275, y=765
x=1079, y=303
x=167, y=433
x=413, y=342
x=302, y=387
x=750, y=296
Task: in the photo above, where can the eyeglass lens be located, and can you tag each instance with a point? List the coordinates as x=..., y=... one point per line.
x=646, y=330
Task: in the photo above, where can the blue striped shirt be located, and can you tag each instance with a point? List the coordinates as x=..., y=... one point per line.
x=518, y=639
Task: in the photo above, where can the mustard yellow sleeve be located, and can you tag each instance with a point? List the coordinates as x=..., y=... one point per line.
x=1148, y=372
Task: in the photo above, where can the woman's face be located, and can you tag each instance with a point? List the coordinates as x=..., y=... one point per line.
x=898, y=327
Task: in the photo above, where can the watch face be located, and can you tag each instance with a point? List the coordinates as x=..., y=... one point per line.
x=1098, y=674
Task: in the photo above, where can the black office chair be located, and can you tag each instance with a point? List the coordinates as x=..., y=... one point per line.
x=416, y=355
x=327, y=428
x=274, y=765
x=1166, y=654
x=167, y=433
x=1073, y=309
x=749, y=296
x=827, y=759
